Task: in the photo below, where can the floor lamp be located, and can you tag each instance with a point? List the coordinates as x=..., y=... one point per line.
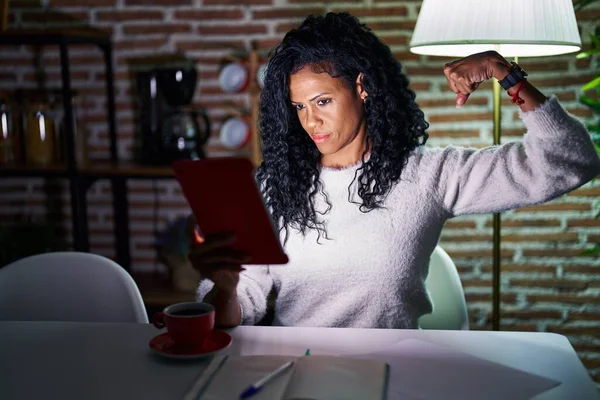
x=514, y=28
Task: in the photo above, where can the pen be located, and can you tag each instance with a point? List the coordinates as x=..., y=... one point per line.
x=257, y=386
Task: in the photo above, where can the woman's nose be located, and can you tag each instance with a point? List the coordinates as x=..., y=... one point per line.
x=312, y=119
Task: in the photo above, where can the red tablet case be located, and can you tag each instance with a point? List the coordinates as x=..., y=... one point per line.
x=224, y=197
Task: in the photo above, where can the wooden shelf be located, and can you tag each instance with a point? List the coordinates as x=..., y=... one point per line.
x=95, y=170
x=33, y=171
x=127, y=169
x=79, y=183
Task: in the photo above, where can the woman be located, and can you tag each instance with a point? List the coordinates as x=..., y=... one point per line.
x=359, y=200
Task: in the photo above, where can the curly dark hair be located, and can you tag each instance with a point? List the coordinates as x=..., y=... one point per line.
x=340, y=45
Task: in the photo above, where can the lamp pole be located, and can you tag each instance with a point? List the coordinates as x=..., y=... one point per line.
x=496, y=219
x=496, y=253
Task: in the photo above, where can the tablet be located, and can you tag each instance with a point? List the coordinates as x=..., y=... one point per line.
x=224, y=197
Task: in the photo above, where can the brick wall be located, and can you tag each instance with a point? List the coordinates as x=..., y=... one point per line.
x=546, y=284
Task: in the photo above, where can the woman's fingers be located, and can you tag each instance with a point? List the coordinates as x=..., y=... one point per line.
x=220, y=271
x=206, y=262
x=227, y=267
x=466, y=87
x=219, y=250
x=451, y=78
x=461, y=99
x=215, y=241
x=209, y=242
x=462, y=94
x=191, y=231
x=224, y=257
x=456, y=85
x=460, y=80
x=222, y=266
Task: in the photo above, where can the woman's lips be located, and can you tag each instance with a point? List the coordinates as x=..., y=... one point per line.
x=320, y=138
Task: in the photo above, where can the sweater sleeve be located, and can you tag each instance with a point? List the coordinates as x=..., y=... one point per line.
x=555, y=156
x=253, y=289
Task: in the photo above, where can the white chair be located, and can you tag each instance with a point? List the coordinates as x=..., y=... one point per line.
x=446, y=294
x=69, y=286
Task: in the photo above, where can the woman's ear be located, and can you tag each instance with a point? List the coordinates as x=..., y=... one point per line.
x=360, y=89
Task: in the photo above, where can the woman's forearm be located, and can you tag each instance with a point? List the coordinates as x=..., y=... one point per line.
x=531, y=97
x=227, y=308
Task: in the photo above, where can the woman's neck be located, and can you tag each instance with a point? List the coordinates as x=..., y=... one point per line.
x=350, y=155
x=340, y=163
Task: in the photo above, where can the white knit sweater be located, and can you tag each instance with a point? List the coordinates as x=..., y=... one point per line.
x=371, y=273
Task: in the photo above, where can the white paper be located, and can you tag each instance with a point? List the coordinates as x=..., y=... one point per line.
x=330, y=378
x=236, y=375
x=423, y=370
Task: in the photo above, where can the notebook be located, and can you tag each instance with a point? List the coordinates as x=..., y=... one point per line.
x=315, y=377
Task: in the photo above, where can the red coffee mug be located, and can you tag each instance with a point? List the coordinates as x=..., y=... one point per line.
x=188, y=324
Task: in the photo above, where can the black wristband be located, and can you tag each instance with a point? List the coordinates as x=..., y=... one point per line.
x=515, y=75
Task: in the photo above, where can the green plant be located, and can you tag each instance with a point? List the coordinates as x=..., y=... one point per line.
x=592, y=102
x=594, y=84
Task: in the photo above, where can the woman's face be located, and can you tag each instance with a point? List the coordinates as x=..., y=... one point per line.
x=332, y=114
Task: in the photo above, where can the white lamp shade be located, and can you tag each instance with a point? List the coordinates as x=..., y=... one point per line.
x=528, y=28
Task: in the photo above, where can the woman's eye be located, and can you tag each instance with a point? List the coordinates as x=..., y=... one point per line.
x=298, y=107
x=323, y=102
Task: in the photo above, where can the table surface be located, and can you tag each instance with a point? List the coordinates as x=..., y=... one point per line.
x=101, y=360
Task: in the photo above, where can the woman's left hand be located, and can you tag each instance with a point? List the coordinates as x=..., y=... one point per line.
x=465, y=75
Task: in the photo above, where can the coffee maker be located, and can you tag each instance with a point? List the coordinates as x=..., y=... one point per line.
x=169, y=127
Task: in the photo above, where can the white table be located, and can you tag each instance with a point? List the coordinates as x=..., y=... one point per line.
x=62, y=360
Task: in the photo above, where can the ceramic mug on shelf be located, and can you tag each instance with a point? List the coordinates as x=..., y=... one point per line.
x=234, y=77
x=234, y=133
x=260, y=75
x=188, y=324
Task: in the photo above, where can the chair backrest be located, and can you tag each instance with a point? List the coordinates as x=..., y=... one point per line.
x=446, y=294
x=69, y=286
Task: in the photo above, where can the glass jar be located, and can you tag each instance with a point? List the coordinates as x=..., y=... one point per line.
x=80, y=133
x=39, y=135
x=8, y=139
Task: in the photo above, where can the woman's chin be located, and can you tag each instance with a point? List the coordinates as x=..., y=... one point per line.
x=326, y=148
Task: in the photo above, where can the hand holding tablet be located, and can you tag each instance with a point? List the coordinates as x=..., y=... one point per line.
x=224, y=197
